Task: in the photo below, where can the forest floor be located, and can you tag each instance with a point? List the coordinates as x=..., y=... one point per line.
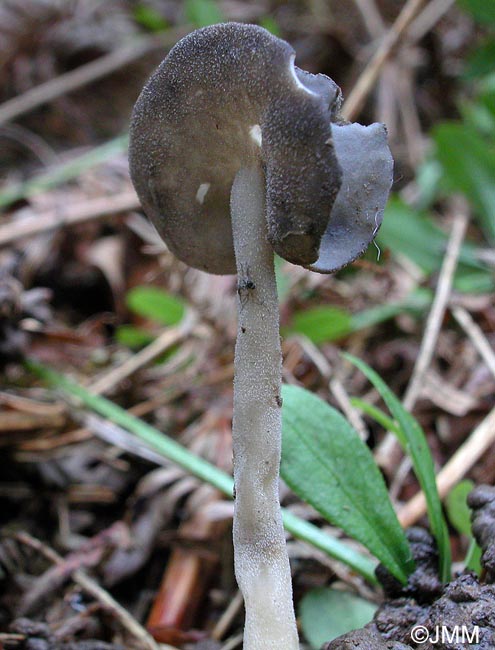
x=100, y=536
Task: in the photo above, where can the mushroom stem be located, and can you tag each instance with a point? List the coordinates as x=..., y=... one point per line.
x=261, y=559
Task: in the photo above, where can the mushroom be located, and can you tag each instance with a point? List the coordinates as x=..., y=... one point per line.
x=235, y=154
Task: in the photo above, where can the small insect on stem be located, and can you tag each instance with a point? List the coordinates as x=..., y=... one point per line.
x=245, y=285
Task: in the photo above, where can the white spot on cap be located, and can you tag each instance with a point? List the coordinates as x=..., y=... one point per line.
x=202, y=192
x=298, y=82
x=255, y=133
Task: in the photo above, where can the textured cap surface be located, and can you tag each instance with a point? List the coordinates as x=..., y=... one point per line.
x=226, y=96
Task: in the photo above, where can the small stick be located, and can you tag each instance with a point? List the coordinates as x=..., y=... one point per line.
x=108, y=603
x=475, y=333
x=336, y=386
x=85, y=74
x=438, y=307
x=225, y=620
x=370, y=74
x=389, y=444
x=85, y=211
x=160, y=345
x=428, y=18
x=461, y=462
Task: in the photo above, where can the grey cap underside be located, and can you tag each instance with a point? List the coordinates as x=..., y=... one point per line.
x=192, y=130
x=367, y=174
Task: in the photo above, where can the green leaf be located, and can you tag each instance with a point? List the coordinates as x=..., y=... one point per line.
x=481, y=61
x=472, y=561
x=413, y=440
x=201, y=13
x=469, y=167
x=171, y=449
x=483, y=11
x=156, y=304
x=327, y=613
x=457, y=508
x=326, y=463
x=414, y=235
x=149, y=18
x=322, y=324
x=282, y=278
x=270, y=24
x=133, y=337
x=459, y=515
x=428, y=176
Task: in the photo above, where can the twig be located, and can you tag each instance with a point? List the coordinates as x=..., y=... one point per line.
x=428, y=18
x=461, y=462
x=233, y=642
x=370, y=74
x=225, y=620
x=108, y=603
x=433, y=325
x=63, y=172
x=475, y=333
x=371, y=17
x=160, y=345
x=336, y=386
x=84, y=211
x=84, y=74
x=439, y=305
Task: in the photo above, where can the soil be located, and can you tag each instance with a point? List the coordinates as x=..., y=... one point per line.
x=424, y=614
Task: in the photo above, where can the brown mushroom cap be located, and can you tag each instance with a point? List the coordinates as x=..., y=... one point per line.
x=227, y=96
x=221, y=92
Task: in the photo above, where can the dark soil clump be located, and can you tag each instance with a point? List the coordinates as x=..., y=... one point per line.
x=424, y=614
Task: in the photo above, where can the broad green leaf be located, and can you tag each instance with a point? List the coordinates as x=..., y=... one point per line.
x=325, y=324
x=322, y=324
x=156, y=304
x=171, y=449
x=469, y=167
x=483, y=11
x=327, y=613
x=413, y=439
x=326, y=463
x=201, y=13
x=133, y=337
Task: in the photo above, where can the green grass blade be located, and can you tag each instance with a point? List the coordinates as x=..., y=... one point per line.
x=201, y=468
x=414, y=442
x=64, y=172
x=376, y=414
